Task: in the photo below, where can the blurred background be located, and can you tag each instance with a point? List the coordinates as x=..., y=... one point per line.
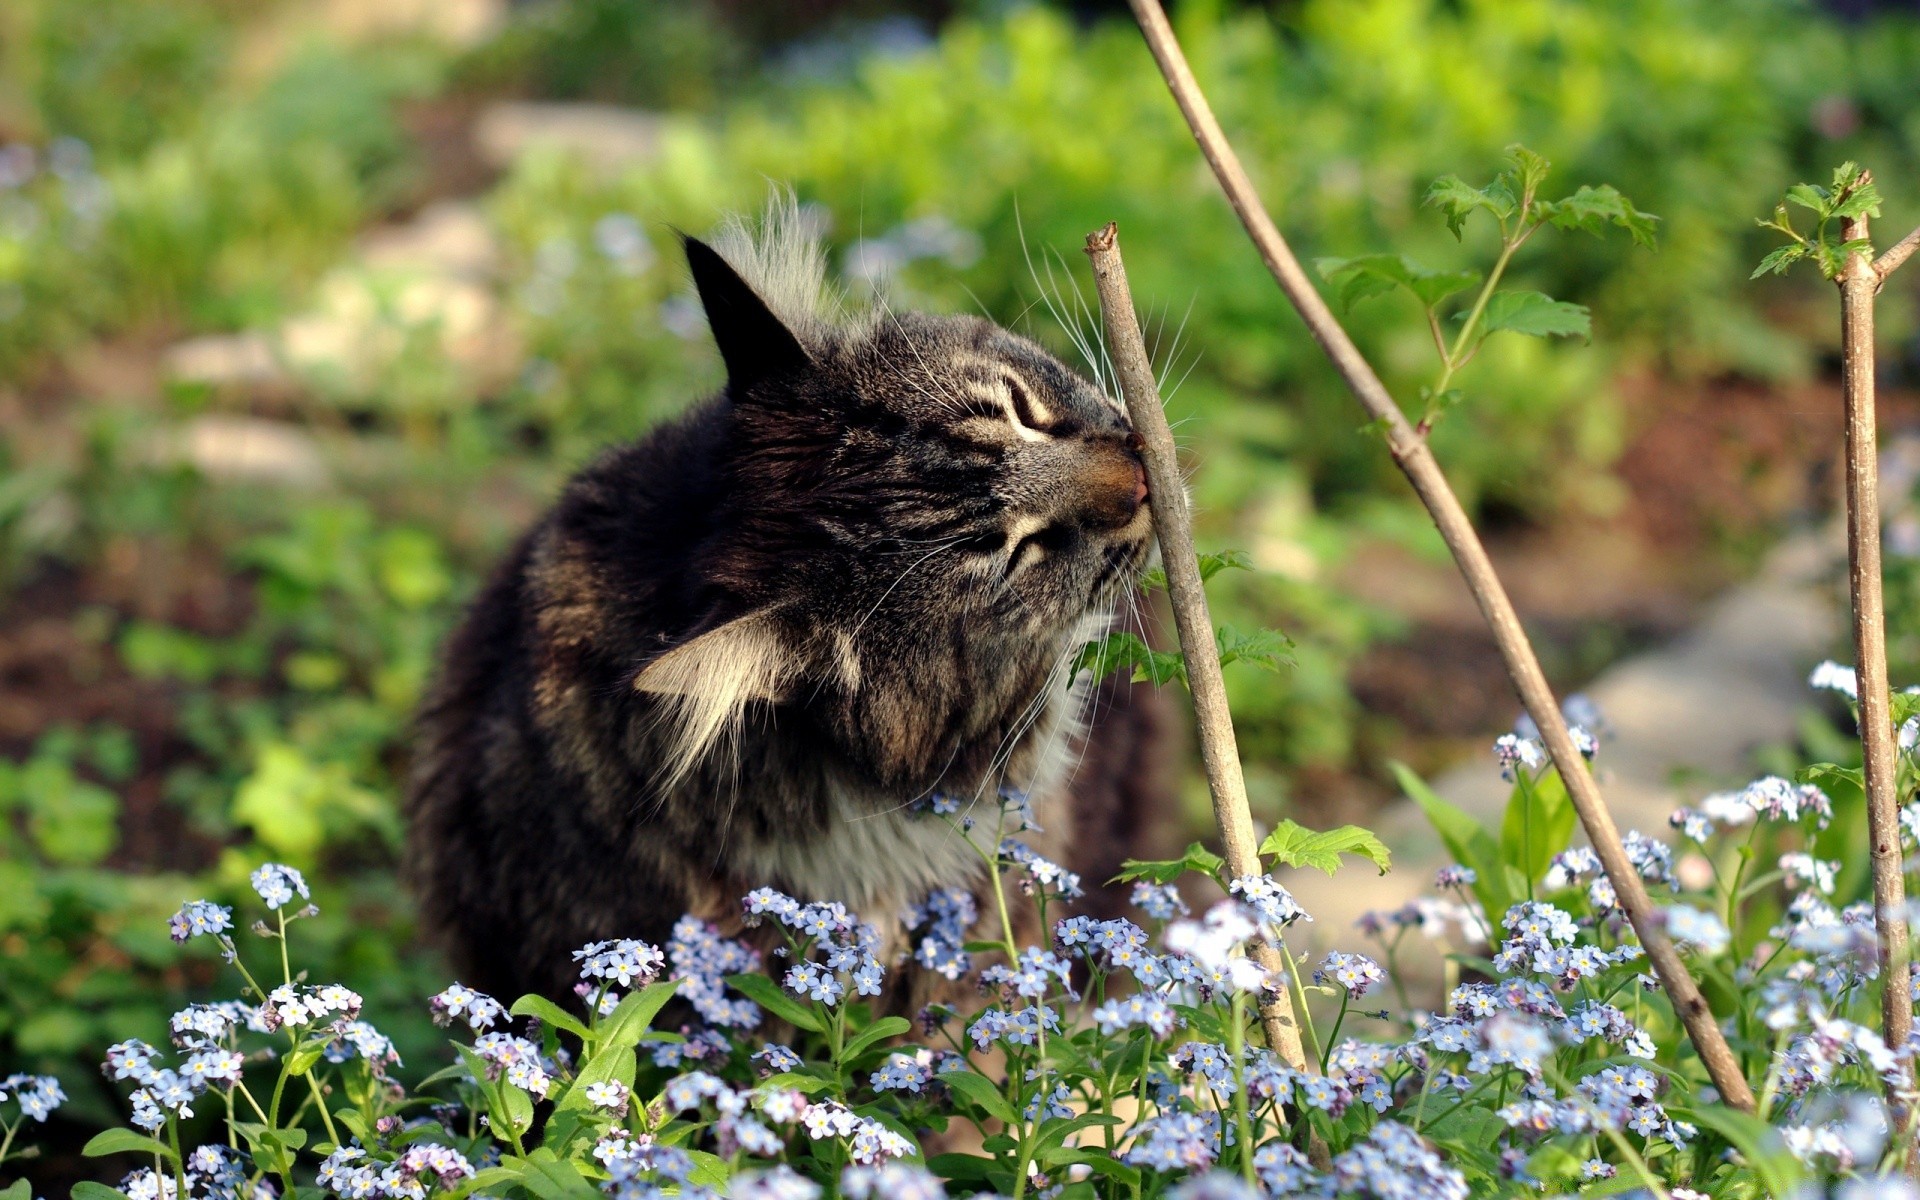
x=307, y=307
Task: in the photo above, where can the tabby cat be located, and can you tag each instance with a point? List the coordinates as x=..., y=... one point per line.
x=737, y=652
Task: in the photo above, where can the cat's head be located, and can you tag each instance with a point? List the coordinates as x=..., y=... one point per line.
x=926, y=517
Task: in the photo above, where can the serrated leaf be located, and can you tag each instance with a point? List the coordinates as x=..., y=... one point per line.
x=1267, y=649
x=1294, y=845
x=767, y=994
x=1528, y=168
x=1123, y=651
x=1593, y=209
x=1535, y=315
x=1809, y=196
x=1778, y=261
x=1822, y=774
x=1197, y=858
x=1155, y=578
x=1356, y=279
x=1457, y=201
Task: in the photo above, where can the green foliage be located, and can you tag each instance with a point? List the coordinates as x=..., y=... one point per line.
x=1293, y=845
x=1851, y=194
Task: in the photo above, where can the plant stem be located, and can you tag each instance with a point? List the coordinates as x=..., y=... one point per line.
x=1415, y=459
x=1858, y=283
x=1173, y=526
x=1896, y=254
x=320, y=1102
x=1237, y=1047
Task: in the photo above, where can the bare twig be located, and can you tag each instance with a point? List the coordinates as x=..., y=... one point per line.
x=1416, y=461
x=1896, y=254
x=1173, y=525
x=1858, y=282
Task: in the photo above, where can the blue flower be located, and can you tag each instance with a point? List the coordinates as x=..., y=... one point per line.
x=277, y=884
x=1161, y=901
x=198, y=918
x=37, y=1095
x=902, y=1073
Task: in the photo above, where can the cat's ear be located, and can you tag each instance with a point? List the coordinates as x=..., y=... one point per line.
x=706, y=683
x=754, y=343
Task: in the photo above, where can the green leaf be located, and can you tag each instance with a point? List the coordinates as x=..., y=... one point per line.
x=1356, y=279
x=86, y=1189
x=551, y=1177
x=301, y=1061
x=551, y=1013
x=632, y=1017
x=611, y=1064
x=1538, y=824
x=1197, y=858
x=1466, y=840
x=957, y=1168
x=982, y=1093
x=1810, y=196
x=515, y=1109
x=487, y=1179
x=1456, y=201
x=767, y=994
x=1293, y=845
x=22, y=1190
x=1778, y=261
x=1527, y=168
x=1534, y=314
x=1595, y=208
x=885, y=1027
x=1210, y=565
x=1267, y=649
x=1120, y=650
x=1827, y=774
x=1758, y=1142
x=126, y=1141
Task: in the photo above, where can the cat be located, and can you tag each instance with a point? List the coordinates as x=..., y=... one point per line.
x=739, y=651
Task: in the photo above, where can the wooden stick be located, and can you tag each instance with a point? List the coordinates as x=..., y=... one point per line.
x=1415, y=459
x=1896, y=254
x=1859, y=280
x=1173, y=525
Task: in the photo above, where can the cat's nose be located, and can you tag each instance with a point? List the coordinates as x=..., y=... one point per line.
x=1113, y=485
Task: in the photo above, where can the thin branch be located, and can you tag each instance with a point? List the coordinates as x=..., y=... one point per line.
x=1416, y=461
x=1896, y=254
x=1858, y=282
x=1173, y=525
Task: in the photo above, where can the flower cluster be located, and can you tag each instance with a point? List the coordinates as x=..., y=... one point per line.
x=846, y=947
x=701, y=960
x=422, y=1167
x=477, y=1009
x=37, y=1095
x=942, y=921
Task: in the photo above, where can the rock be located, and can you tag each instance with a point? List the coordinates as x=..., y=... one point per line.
x=225, y=360
x=606, y=137
x=1702, y=704
x=248, y=450
x=449, y=238
x=457, y=23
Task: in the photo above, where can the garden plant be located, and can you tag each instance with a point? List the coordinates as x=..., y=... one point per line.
x=1719, y=1009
